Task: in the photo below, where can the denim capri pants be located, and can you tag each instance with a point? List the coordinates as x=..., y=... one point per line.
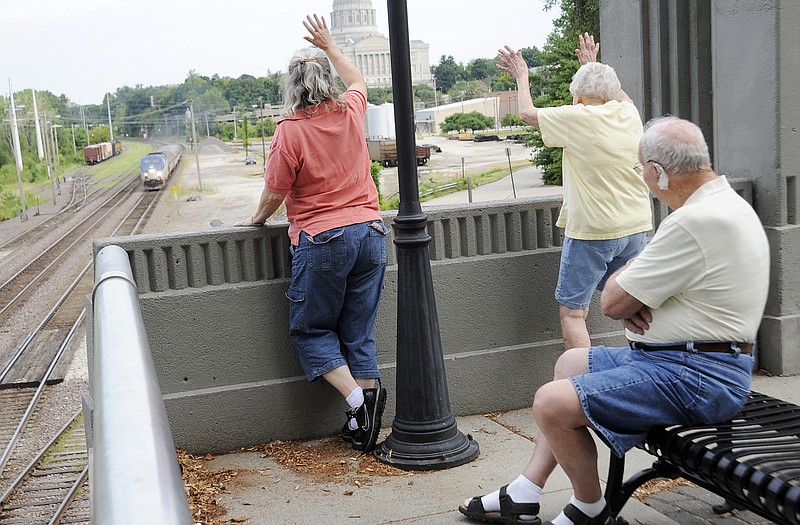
x=337, y=280
x=587, y=265
x=627, y=392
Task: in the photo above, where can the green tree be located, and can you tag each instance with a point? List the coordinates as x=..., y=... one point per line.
x=481, y=68
x=558, y=65
x=511, y=119
x=473, y=121
x=447, y=73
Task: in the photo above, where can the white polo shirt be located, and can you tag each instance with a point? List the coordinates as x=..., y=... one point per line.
x=705, y=274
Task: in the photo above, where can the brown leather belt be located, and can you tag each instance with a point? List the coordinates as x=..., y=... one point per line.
x=694, y=346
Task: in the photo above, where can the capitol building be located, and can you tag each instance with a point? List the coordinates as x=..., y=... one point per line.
x=355, y=31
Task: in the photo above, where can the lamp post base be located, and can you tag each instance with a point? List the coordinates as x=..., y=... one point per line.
x=426, y=450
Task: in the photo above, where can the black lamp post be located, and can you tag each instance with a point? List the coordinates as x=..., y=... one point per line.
x=424, y=432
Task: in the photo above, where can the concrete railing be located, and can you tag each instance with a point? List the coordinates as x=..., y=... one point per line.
x=134, y=473
x=216, y=317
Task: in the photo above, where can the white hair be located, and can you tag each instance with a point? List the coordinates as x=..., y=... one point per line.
x=310, y=81
x=595, y=80
x=677, y=144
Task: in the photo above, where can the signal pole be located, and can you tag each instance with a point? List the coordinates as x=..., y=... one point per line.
x=110, y=125
x=17, y=151
x=195, y=145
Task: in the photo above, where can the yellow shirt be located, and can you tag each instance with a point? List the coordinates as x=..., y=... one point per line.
x=705, y=274
x=604, y=197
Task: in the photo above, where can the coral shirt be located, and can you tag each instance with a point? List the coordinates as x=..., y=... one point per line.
x=319, y=159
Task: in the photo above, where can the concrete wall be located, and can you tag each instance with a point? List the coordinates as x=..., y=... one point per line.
x=731, y=67
x=216, y=318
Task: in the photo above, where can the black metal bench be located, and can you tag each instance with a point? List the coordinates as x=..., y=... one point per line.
x=753, y=461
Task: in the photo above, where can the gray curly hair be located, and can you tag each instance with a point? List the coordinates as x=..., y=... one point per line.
x=595, y=80
x=309, y=82
x=677, y=144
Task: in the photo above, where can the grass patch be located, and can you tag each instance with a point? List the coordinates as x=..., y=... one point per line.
x=430, y=189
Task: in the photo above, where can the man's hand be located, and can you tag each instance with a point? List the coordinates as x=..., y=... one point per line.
x=320, y=35
x=588, y=49
x=512, y=62
x=639, y=322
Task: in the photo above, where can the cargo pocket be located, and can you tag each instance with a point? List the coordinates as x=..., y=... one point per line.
x=297, y=307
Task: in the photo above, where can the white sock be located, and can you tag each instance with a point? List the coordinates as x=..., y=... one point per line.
x=355, y=399
x=521, y=490
x=590, y=509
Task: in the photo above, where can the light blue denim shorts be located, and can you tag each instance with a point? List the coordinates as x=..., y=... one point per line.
x=587, y=265
x=337, y=281
x=627, y=392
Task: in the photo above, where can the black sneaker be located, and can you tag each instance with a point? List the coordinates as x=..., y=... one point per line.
x=368, y=417
x=351, y=436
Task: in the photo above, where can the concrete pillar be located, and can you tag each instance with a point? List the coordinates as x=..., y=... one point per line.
x=732, y=68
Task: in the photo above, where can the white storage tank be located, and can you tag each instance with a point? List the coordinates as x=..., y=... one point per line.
x=376, y=123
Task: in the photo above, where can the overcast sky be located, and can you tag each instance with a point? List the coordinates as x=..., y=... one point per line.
x=85, y=48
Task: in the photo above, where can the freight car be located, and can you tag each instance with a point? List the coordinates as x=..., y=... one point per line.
x=385, y=152
x=156, y=167
x=98, y=152
x=102, y=151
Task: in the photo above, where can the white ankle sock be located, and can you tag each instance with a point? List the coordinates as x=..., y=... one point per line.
x=521, y=490
x=590, y=509
x=355, y=399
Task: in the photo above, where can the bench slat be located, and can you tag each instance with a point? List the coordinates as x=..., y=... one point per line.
x=753, y=460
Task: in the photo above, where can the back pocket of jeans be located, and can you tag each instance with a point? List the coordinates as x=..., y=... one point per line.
x=326, y=251
x=377, y=241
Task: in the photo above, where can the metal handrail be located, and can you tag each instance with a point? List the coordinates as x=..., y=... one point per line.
x=135, y=477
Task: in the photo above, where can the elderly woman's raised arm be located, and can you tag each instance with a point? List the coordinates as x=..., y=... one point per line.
x=320, y=36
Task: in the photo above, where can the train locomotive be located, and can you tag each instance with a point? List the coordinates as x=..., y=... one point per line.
x=156, y=167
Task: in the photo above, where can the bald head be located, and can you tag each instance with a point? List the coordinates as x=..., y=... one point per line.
x=676, y=144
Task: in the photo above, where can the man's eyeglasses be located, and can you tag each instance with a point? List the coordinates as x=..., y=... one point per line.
x=638, y=168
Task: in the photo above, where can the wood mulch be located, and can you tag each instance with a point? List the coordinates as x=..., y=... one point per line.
x=324, y=461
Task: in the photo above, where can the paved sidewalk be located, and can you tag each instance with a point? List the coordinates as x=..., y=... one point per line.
x=265, y=492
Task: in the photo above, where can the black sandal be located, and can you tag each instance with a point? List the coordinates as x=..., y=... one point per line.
x=509, y=514
x=579, y=518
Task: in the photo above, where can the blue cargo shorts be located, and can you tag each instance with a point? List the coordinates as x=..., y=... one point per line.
x=627, y=392
x=337, y=280
x=587, y=265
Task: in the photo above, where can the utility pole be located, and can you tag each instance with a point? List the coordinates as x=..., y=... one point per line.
x=110, y=125
x=39, y=148
x=263, y=148
x=17, y=151
x=196, y=148
x=47, y=158
x=74, y=146
x=53, y=128
x=85, y=127
x=234, y=124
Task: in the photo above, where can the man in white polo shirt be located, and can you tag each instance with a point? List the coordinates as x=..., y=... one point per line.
x=691, y=304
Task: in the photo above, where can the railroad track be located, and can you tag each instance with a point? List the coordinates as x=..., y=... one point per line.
x=53, y=488
x=83, y=192
x=23, y=283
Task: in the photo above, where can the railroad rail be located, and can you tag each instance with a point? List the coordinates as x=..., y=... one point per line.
x=33, y=365
x=50, y=489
